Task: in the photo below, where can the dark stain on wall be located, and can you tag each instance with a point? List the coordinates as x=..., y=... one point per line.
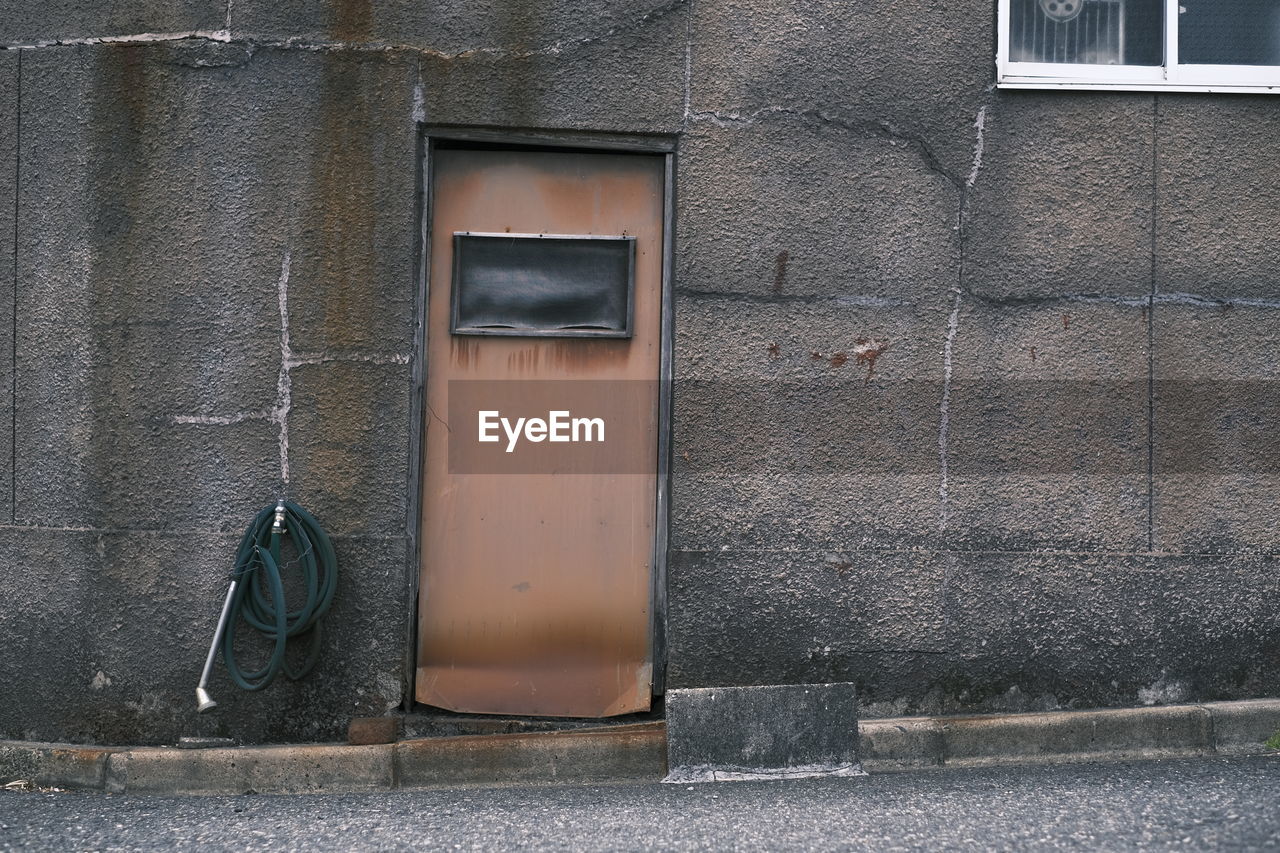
x=123, y=315
x=341, y=211
x=352, y=20
x=780, y=271
x=118, y=128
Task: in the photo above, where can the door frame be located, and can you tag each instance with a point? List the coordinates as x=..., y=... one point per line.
x=428, y=137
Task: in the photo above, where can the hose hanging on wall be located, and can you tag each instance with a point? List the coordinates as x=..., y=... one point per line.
x=257, y=561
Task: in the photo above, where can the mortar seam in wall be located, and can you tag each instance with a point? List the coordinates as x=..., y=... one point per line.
x=175, y=531
x=688, y=65
x=1016, y=552
x=13, y=361
x=1151, y=320
x=1142, y=300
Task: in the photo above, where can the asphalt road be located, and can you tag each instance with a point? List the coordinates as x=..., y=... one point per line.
x=1193, y=804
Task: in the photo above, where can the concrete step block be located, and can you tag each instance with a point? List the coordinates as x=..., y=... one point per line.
x=783, y=731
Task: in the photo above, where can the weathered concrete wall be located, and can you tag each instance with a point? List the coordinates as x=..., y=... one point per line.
x=1014, y=514
x=8, y=197
x=937, y=348
x=215, y=305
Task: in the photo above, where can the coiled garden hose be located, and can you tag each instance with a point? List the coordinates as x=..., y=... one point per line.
x=258, y=561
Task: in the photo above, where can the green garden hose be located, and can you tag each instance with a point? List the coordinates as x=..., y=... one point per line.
x=258, y=562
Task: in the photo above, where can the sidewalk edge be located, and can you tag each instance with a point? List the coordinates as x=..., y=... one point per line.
x=638, y=753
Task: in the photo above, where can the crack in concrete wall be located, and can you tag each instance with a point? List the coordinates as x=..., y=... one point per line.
x=225, y=36
x=953, y=320
x=688, y=66
x=877, y=129
x=278, y=414
x=419, y=114
x=980, y=124
x=944, y=411
x=219, y=36
x=284, y=381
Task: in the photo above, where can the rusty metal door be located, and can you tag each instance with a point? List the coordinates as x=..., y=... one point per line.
x=535, y=594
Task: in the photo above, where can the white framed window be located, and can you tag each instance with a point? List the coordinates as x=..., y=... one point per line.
x=1141, y=45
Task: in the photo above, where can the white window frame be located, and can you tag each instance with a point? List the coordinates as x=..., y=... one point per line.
x=1171, y=77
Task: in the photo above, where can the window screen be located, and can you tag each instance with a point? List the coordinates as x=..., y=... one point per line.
x=1089, y=32
x=1229, y=32
x=542, y=284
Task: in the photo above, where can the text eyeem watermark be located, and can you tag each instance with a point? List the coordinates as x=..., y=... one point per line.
x=559, y=426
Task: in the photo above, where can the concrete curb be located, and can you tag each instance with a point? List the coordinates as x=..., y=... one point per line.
x=636, y=753
x=1214, y=728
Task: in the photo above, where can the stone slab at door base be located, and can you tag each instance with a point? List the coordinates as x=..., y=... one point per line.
x=781, y=731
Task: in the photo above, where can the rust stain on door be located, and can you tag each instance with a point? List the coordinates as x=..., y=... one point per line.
x=535, y=593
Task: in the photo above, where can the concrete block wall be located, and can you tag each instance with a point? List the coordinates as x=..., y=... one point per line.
x=938, y=348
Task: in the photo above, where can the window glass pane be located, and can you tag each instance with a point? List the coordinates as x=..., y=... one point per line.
x=1094, y=32
x=1229, y=32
